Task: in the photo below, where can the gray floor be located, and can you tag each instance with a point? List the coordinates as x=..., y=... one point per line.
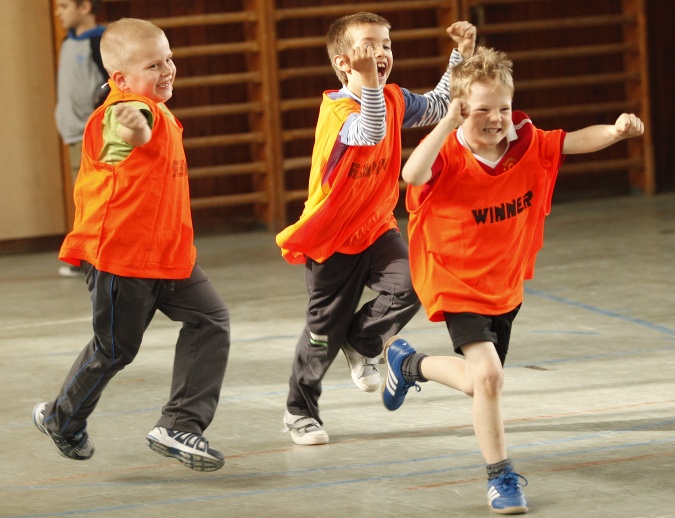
x=589, y=400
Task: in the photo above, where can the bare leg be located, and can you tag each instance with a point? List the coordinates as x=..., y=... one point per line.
x=479, y=375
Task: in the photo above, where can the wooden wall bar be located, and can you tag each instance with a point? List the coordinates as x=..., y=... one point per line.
x=251, y=74
x=578, y=63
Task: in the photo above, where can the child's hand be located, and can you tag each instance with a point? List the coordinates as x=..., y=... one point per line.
x=458, y=112
x=362, y=60
x=464, y=34
x=134, y=127
x=130, y=117
x=629, y=125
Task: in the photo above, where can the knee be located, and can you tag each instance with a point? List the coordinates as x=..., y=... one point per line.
x=114, y=352
x=489, y=381
x=218, y=320
x=409, y=298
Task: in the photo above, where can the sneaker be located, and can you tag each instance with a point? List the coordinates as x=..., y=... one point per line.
x=396, y=387
x=363, y=369
x=70, y=271
x=504, y=493
x=77, y=447
x=304, y=430
x=192, y=449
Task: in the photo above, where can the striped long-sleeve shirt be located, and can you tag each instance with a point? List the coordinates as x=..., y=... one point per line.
x=367, y=128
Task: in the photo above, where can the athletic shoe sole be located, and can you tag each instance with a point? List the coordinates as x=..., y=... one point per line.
x=193, y=461
x=39, y=422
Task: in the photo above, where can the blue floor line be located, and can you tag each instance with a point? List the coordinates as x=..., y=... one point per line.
x=316, y=485
x=594, y=309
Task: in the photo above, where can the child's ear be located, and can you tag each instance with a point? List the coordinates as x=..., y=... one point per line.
x=120, y=79
x=341, y=63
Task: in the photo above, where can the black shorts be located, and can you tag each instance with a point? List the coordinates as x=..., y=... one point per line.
x=467, y=328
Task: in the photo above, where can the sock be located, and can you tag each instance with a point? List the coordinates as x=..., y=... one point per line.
x=494, y=470
x=411, y=367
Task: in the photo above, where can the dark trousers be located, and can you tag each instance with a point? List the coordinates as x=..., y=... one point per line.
x=123, y=307
x=335, y=288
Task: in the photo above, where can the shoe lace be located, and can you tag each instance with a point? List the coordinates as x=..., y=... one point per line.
x=509, y=482
x=410, y=385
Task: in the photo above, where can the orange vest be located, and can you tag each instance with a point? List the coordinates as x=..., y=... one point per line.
x=133, y=218
x=356, y=207
x=474, y=237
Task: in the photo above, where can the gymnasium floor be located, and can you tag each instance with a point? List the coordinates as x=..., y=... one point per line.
x=589, y=400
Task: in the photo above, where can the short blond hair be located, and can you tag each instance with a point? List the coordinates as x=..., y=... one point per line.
x=339, y=38
x=487, y=66
x=122, y=38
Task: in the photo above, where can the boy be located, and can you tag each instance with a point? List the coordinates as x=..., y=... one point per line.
x=480, y=188
x=347, y=236
x=133, y=239
x=79, y=80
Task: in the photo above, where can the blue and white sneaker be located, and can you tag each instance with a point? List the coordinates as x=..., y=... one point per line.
x=505, y=495
x=192, y=449
x=395, y=386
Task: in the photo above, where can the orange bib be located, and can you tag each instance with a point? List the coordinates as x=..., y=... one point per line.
x=356, y=207
x=133, y=218
x=474, y=237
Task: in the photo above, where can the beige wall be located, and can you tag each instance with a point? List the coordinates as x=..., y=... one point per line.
x=31, y=197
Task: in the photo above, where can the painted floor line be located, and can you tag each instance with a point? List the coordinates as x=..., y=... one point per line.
x=382, y=464
x=303, y=487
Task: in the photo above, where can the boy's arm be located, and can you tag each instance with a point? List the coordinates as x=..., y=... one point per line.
x=435, y=103
x=368, y=127
x=134, y=129
x=595, y=138
x=417, y=169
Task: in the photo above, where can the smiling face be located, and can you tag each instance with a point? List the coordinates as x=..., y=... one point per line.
x=377, y=37
x=151, y=72
x=489, y=121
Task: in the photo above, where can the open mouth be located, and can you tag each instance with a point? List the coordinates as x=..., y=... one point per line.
x=381, y=69
x=492, y=130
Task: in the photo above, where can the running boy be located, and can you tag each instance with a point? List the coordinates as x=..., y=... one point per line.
x=480, y=188
x=133, y=239
x=347, y=236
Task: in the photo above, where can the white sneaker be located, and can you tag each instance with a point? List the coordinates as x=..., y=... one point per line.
x=70, y=271
x=363, y=369
x=304, y=430
x=192, y=449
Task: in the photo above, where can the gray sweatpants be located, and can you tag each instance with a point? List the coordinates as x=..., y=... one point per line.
x=335, y=288
x=123, y=308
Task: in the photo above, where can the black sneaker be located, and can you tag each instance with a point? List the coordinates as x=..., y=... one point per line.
x=77, y=446
x=192, y=449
